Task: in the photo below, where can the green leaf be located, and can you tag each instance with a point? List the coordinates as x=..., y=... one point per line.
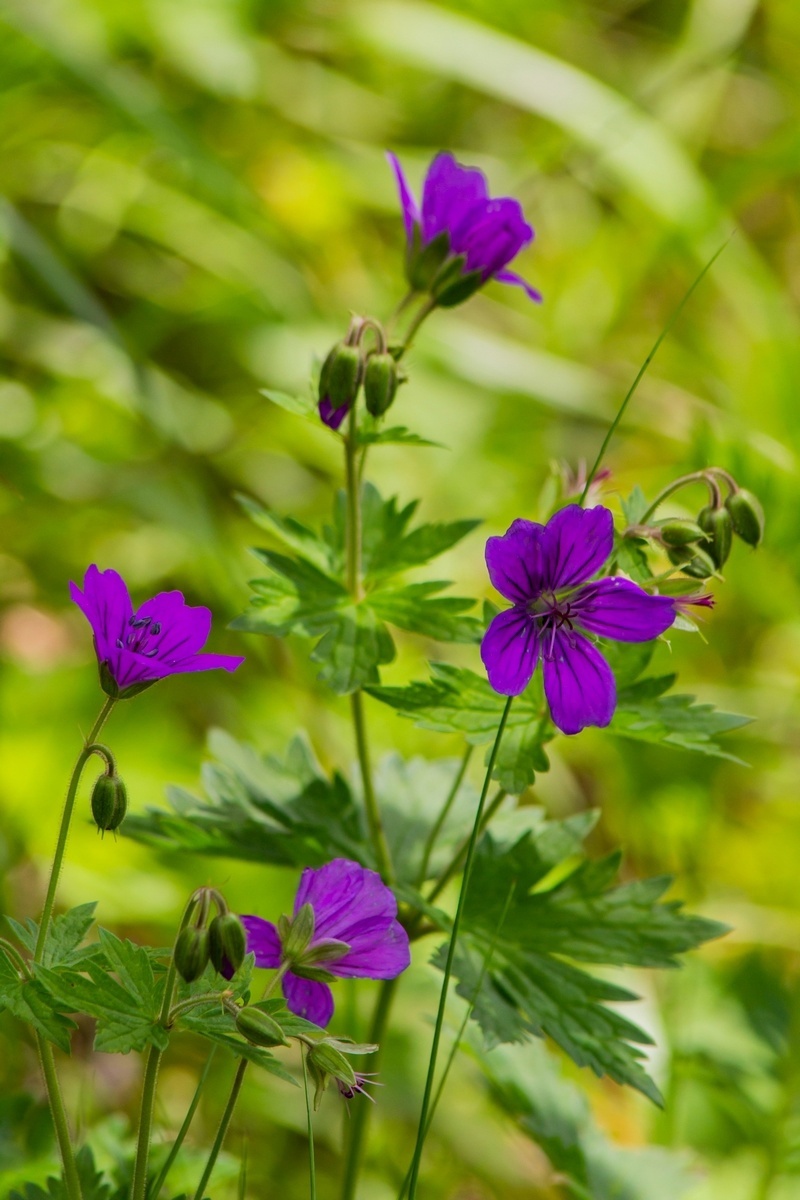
x=304, y=406
x=66, y=933
x=413, y=608
x=566, y=912
x=646, y=714
x=390, y=548
x=30, y=1001
x=93, y=1186
x=635, y=506
x=370, y=436
x=259, y=809
x=295, y=536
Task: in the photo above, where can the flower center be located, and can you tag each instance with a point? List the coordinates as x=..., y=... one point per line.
x=553, y=612
x=144, y=630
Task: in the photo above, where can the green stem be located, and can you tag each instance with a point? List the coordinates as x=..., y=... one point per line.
x=442, y=817
x=153, y=1062
x=71, y=1181
x=358, y=1129
x=312, y=1170
x=377, y=834
x=451, y=950
x=400, y=308
x=675, y=486
x=672, y=319
x=63, y=833
x=223, y=1128
x=463, y=849
x=161, y=1178
x=421, y=315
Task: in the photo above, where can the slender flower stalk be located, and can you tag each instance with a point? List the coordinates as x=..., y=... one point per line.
x=458, y=858
x=47, y=1062
x=361, y=1115
x=436, y=828
x=451, y=950
x=161, y=1178
x=312, y=1169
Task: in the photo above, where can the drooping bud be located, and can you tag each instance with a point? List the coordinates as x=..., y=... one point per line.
x=227, y=944
x=380, y=382
x=259, y=1027
x=340, y=376
x=191, y=953
x=747, y=516
x=678, y=532
x=109, y=801
x=718, y=524
x=692, y=560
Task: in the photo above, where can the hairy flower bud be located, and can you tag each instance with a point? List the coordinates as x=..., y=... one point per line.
x=747, y=516
x=109, y=801
x=340, y=377
x=227, y=944
x=191, y=953
x=718, y=524
x=693, y=560
x=259, y=1027
x=678, y=532
x=380, y=383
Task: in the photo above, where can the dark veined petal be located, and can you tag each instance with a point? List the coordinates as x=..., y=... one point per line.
x=575, y=544
x=517, y=281
x=620, y=609
x=448, y=194
x=578, y=683
x=308, y=998
x=408, y=203
x=263, y=940
x=514, y=561
x=349, y=901
x=510, y=651
x=106, y=604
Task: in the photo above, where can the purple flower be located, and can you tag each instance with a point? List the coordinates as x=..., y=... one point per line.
x=330, y=416
x=135, y=649
x=351, y=930
x=484, y=234
x=544, y=571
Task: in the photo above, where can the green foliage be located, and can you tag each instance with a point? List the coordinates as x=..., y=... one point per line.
x=64, y=943
x=564, y=912
x=30, y=1001
x=645, y=713
x=93, y=1185
x=307, y=594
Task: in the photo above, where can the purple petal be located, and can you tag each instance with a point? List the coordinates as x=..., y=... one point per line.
x=409, y=205
x=510, y=651
x=575, y=544
x=349, y=901
x=517, y=281
x=309, y=999
x=617, y=608
x=514, y=561
x=107, y=607
x=578, y=683
x=383, y=959
x=206, y=662
x=263, y=940
x=492, y=237
x=450, y=191
x=183, y=629
x=330, y=416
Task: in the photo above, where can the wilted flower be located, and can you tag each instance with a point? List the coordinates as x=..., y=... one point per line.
x=359, y=1088
x=345, y=923
x=460, y=238
x=543, y=570
x=135, y=649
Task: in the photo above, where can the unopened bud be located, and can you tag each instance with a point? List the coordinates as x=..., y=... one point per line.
x=747, y=516
x=678, y=532
x=260, y=1028
x=109, y=802
x=227, y=944
x=340, y=376
x=693, y=561
x=191, y=953
x=718, y=524
x=380, y=383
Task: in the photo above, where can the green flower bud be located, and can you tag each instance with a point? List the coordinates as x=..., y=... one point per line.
x=747, y=516
x=260, y=1028
x=296, y=934
x=109, y=802
x=692, y=560
x=340, y=377
x=677, y=532
x=191, y=953
x=380, y=383
x=718, y=524
x=227, y=944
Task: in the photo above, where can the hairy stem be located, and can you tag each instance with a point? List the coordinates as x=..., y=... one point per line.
x=676, y=312
x=312, y=1169
x=161, y=1178
x=436, y=828
x=358, y=1129
x=451, y=950
x=71, y=1181
x=684, y=481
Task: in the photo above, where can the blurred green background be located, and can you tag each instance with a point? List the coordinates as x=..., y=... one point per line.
x=194, y=195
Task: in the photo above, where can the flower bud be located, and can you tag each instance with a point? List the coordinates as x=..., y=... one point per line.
x=677, y=532
x=297, y=933
x=380, y=383
x=718, y=525
x=191, y=953
x=259, y=1027
x=693, y=560
x=747, y=516
x=109, y=802
x=227, y=944
x=340, y=376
